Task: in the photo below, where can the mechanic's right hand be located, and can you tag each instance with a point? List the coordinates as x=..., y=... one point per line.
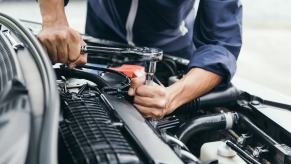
x=63, y=45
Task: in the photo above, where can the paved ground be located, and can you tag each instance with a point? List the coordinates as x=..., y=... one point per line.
x=266, y=55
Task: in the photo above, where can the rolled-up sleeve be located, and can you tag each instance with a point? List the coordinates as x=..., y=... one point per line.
x=217, y=37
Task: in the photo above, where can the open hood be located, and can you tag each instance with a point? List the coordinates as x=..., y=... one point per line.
x=29, y=103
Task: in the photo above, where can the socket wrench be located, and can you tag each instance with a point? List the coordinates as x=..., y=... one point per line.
x=150, y=55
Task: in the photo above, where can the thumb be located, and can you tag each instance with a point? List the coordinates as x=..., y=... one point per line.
x=82, y=59
x=135, y=83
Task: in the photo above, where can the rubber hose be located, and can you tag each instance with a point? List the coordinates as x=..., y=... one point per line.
x=69, y=73
x=204, y=123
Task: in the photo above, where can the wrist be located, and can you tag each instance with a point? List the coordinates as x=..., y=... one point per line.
x=194, y=84
x=50, y=20
x=59, y=22
x=173, y=93
x=53, y=13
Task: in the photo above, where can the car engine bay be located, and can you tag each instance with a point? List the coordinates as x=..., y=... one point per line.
x=53, y=114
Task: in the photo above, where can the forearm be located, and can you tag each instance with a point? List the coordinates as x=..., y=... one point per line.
x=53, y=12
x=194, y=84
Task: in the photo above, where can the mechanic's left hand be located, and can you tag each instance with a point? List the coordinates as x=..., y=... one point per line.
x=152, y=101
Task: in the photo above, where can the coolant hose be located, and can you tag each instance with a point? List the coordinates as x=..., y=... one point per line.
x=76, y=73
x=205, y=123
x=217, y=122
x=218, y=98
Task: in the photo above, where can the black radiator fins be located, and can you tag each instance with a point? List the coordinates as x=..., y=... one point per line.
x=88, y=134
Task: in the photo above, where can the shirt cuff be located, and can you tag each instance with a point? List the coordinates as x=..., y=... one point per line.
x=216, y=59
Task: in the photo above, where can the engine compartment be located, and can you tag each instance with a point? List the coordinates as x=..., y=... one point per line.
x=97, y=123
x=225, y=122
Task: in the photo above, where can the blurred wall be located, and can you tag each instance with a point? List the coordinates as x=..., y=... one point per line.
x=29, y=10
x=266, y=54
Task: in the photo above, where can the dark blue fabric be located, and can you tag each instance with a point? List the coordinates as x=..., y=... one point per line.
x=213, y=40
x=217, y=36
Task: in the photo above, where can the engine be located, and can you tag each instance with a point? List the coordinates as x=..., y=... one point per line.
x=53, y=114
x=100, y=127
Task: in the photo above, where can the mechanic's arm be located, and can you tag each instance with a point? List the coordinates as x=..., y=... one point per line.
x=218, y=39
x=61, y=42
x=157, y=101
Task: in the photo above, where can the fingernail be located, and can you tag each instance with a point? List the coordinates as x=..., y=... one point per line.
x=130, y=92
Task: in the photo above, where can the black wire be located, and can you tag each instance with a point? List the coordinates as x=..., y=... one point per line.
x=172, y=62
x=79, y=74
x=158, y=81
x=126, y=82
x=173, y=72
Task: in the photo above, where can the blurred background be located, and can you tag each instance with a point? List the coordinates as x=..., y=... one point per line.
x=265, y=58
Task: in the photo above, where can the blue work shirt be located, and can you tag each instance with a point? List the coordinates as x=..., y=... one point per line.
x=208, y=33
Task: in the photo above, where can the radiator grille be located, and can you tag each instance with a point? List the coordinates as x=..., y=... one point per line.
x=88, y=134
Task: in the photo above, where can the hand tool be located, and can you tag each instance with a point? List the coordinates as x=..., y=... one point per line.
x=150, y=55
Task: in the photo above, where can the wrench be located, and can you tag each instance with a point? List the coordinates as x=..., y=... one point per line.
x=150, y=55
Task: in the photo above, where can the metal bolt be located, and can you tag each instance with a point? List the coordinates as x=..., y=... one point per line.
x=255, y=102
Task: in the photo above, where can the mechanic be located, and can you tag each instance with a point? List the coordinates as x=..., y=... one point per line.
x=208, y=34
